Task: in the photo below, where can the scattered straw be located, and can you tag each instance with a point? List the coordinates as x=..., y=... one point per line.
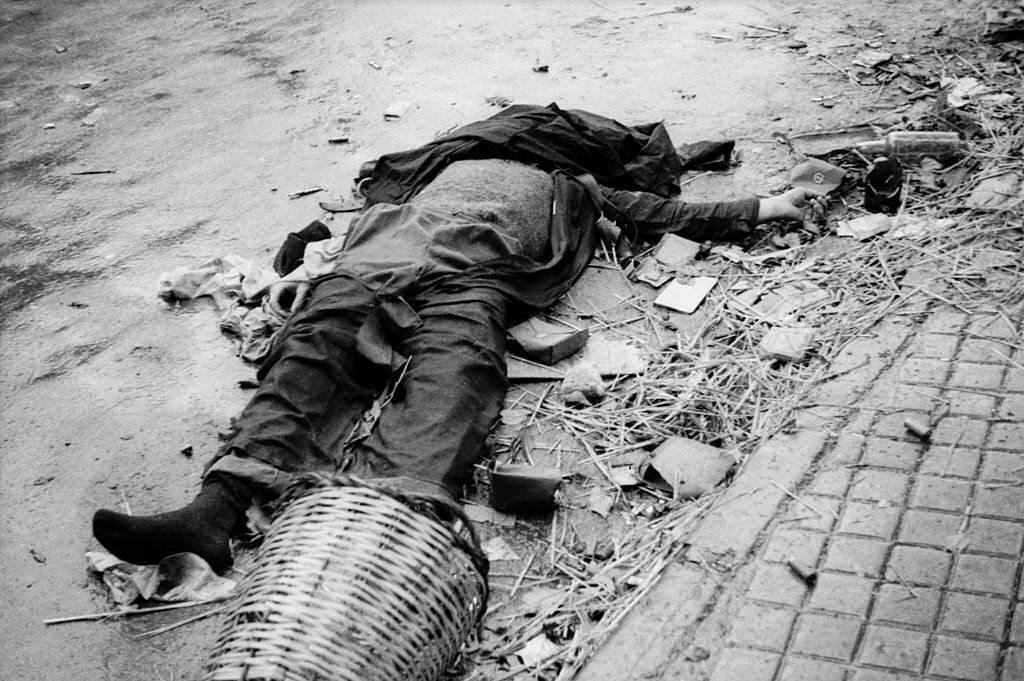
x=708, y=381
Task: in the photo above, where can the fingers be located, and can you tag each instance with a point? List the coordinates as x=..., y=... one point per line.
x=274, y=296
x=301, y=291
x=798, y=196
x=814, y=211
x=287, y=297
x=795, y=205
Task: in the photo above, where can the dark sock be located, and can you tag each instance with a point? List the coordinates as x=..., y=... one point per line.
x=204, y=527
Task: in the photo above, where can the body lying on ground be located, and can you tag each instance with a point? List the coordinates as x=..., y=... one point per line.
x=459, y=239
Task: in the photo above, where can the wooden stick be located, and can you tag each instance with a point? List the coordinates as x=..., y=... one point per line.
x=554, y=534
x=128, y=612
x=522, y=575
x=540, y=403
x=181, y=623
x=781, y=31
x=805, y=503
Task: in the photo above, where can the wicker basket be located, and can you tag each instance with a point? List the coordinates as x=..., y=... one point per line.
x=354, y=584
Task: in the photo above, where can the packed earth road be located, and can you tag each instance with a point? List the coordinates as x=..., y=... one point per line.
x=141, y=136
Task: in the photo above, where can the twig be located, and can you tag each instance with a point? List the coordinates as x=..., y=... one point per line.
x=676, y=10
x=180, y=623
x=540, y=403
x=899, y=576
x=522, y=575
x=128, y=612
x=954, y=443
x=554, y=533
x=805, y=503
x=696, y=177
x=845, y=72
x=781, y=31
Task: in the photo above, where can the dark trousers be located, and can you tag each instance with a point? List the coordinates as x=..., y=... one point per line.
x=316, y=384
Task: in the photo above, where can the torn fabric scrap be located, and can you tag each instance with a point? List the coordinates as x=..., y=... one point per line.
x=178, y=577
x=224, y=279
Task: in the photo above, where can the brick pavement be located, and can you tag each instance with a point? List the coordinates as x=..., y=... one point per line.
x=915, y=545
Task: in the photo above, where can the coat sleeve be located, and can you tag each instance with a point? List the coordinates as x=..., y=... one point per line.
x=650, y=216
x=320, y=259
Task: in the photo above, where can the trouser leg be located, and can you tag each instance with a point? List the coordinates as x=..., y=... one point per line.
x=435, y=427
x=274, y=437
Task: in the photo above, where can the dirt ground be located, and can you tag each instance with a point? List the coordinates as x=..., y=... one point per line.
x=208, y=116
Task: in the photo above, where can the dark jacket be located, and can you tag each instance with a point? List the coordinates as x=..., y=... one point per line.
x=596, y=162
x=577, y=142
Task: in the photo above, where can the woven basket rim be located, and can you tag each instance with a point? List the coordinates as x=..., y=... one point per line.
x=449, y=514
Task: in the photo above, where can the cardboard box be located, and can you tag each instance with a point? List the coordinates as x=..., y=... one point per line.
x=546, y=340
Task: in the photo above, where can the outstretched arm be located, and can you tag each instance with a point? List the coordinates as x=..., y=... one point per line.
x=654, y=216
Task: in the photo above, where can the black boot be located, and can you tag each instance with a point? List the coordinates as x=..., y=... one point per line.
x=204, y=527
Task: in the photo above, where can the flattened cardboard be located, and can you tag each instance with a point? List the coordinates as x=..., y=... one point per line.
x=999, y=192
x=866, y=226
x=611, y=358
x=686, y=297
x=788, y=301
x=917, y=226
x=785, y=343
x=520, y=369
x=653, y=272
x=687, y=468
x=671, y=254
x=675, y=251
x=497, y=549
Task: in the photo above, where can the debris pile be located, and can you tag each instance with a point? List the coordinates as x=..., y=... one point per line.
x=637, y=396
x=732, y=341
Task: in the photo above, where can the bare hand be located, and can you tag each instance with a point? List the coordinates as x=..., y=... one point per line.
x=796, y=205
x=286, y=297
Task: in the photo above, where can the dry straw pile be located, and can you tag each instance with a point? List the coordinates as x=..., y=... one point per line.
x=956, y=242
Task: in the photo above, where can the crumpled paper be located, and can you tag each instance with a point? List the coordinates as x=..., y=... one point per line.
x=178, y=577
x=538, y=649
x=962, y=91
